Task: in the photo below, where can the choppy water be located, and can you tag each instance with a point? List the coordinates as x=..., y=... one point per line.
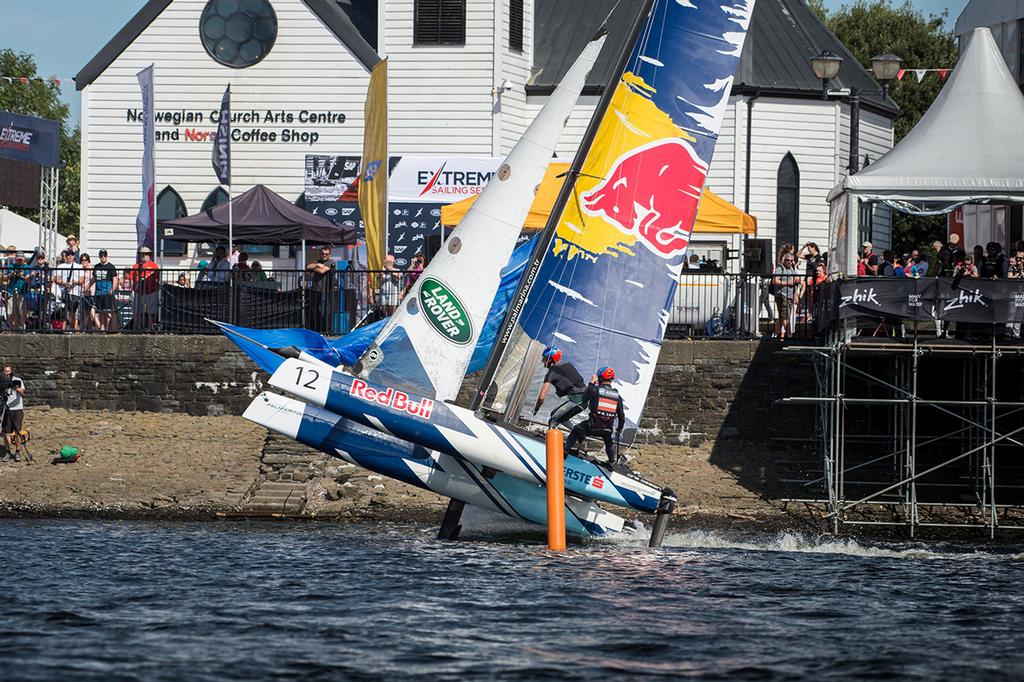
x=122, y=601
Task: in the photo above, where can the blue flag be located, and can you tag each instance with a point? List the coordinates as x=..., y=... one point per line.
x=222, y=141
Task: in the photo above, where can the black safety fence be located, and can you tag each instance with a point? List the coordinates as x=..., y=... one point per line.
x=946, y=306
x=182, y=301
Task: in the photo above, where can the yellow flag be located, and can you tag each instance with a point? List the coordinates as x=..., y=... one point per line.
x=373, y=183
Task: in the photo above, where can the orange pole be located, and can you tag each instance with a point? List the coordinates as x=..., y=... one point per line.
x=556, y=490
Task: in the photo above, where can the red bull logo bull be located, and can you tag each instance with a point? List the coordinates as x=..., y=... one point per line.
x=652, y=192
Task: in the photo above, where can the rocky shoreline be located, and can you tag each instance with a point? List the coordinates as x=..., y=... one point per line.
x=142, y=465
x=152, y=466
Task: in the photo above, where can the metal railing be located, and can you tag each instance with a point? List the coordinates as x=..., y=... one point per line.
x=179, y=301
x=720, y=305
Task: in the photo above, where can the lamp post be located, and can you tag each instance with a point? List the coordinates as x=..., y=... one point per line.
x=826, y=67
x=885, y=67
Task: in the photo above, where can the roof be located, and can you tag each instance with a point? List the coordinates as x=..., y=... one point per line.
x=967, y=147
x=979, y=13
x=783, y=36
x=258, y=216
x=334, y=17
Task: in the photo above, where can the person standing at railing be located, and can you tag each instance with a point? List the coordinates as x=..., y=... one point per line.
x=389, y=290
x=258, y=273
x=220, y=267
x=66, y=275
x=240, y=271
x=106, y=279
x=13, y=278
x=87, y=300
x=144, y=277
x=37, y=293
x=321, y=275
x=787, y=293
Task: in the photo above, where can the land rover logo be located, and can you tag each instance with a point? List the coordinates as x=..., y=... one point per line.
x=445, y=312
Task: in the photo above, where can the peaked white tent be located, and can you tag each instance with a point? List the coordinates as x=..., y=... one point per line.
x=18, y=231
x=968, y=147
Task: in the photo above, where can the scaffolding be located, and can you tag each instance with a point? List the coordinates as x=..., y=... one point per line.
x=49, y=198
x=918, y=431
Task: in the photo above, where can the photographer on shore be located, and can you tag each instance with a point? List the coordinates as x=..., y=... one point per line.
x=12, y=389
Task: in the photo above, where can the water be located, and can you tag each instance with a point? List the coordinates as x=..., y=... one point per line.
x=123, y=601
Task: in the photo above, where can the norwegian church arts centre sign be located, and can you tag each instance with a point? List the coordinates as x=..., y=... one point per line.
x=303, y=126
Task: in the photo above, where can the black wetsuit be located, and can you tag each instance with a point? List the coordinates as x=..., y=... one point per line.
x=605, y=407
x=568, y=384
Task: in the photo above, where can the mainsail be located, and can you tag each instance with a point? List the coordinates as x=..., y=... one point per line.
x=428, y=343
x=601, y=286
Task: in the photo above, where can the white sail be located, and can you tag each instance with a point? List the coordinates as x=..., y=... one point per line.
x=428, y=343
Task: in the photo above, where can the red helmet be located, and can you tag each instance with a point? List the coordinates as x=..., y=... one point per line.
x=606, y=374
x=552, y=355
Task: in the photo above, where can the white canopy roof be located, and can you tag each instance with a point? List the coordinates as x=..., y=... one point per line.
x=17, y=231
x=969, y=146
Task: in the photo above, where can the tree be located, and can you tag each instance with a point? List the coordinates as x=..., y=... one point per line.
x=42, y=98
x=873, y=27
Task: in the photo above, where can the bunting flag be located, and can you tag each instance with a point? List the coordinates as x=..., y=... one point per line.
x=373, y=185
x=25, y=81
x=921, y=73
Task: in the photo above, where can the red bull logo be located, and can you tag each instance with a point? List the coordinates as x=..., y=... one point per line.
x=652, y=192
x=389, y=397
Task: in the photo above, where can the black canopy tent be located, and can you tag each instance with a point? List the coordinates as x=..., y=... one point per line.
x=260, y=216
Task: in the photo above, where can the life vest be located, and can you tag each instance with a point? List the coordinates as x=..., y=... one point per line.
x=604, y=407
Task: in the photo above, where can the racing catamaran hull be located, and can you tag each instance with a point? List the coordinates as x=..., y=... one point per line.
x=458, y=432
x=439, y=472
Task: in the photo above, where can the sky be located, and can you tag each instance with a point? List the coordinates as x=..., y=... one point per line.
x=63, y=35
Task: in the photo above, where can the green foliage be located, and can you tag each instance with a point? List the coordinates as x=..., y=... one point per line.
x=42, y=98
x=873, y=27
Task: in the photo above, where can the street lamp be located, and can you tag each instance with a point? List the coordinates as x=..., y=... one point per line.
x=885, y=67
x=826, y=67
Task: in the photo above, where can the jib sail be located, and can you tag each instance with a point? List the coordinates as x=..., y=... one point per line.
x=601, y=286
x=427, y=344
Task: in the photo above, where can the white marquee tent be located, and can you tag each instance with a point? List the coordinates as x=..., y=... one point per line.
x=967, y=148
x=18, y=231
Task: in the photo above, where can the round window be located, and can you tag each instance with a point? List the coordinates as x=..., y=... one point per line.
x=238, y=33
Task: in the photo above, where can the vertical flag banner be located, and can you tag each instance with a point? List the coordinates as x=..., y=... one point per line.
x=373, y=188
x=222, y=141
x=145, y=222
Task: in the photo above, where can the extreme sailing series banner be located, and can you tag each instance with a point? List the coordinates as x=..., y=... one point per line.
x=418, y=186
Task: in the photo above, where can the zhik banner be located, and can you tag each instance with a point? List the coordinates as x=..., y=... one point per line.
x=222, y=141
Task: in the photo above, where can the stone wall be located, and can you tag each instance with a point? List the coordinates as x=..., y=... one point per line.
x=701, y=389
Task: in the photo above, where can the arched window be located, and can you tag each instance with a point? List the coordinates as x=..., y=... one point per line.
x=787, y=203
x=215, y=198
x=168, y=207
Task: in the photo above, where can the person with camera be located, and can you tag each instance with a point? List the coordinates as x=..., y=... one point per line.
x=12, y=389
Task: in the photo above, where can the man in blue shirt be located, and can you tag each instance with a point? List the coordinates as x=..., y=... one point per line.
x=12, y=278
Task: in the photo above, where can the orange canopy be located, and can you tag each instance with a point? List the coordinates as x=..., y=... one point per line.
x=715, y=214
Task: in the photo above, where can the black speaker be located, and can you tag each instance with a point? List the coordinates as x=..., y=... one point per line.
x=432, y=246
x=757, y=256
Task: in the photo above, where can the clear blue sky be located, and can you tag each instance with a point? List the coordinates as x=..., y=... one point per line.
x=65, y=34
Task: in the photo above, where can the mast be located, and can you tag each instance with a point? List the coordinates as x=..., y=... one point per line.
x=518, y=301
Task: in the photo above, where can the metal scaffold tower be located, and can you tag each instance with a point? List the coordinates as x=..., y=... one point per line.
x=49, y=195
x=919, y=431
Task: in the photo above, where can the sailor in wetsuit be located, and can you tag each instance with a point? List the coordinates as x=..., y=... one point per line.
x=605, y=407
x=568, y=384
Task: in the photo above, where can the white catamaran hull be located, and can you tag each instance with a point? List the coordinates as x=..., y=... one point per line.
x=439, y=472
x=457, y=432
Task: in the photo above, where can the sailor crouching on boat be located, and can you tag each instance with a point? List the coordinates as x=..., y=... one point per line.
x=606, y=408
x=568, y=384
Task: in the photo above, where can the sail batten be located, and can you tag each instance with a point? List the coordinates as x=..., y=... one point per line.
x=601, y=288
x=427, y=344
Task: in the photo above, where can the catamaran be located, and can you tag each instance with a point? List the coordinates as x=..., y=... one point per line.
x=598, y=283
